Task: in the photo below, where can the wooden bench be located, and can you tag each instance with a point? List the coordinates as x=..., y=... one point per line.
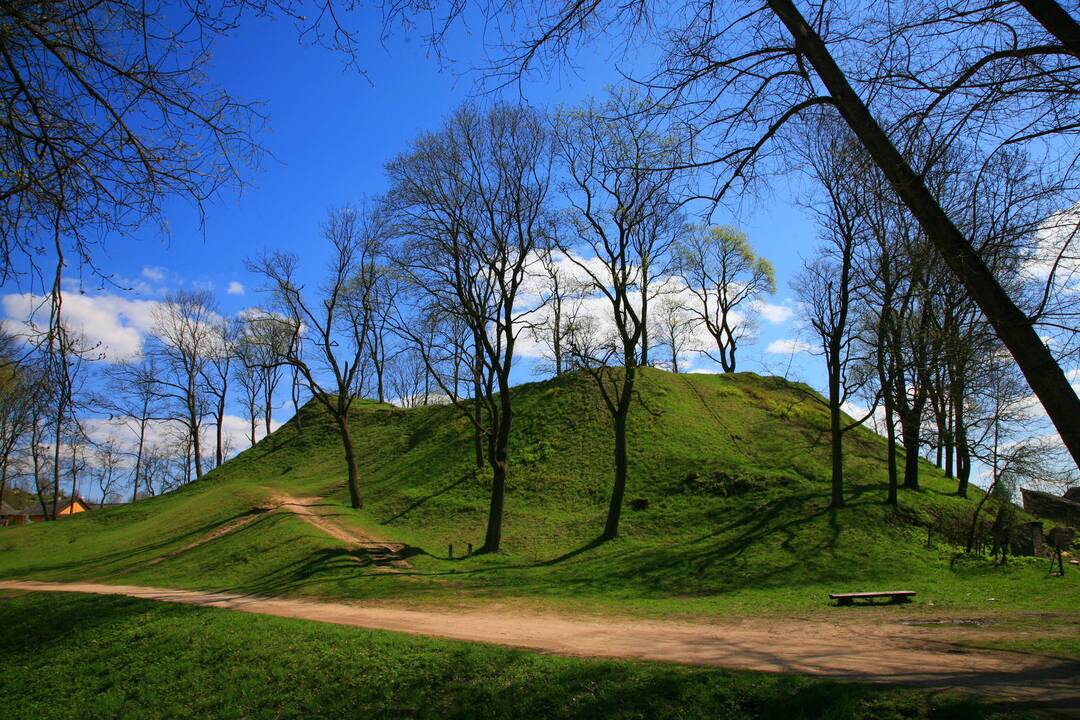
x=898, y=596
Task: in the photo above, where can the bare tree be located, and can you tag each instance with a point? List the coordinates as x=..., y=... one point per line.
x=407, y=379
x=472, y=201
x=624, y=215
x=559, y=290
x=674, y=327
x=248, y=376
x=107, y=461
x=216, y=373
x=722, y=272
x=18, y=397
x=133, y=400
x=185, y=338
x=328, y=324
x=830, y=285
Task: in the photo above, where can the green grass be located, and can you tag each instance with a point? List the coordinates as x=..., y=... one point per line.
x=734, y=470
x=73, y=656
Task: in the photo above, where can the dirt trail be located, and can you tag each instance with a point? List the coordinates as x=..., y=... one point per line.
x=855, y=649
x=385, y=555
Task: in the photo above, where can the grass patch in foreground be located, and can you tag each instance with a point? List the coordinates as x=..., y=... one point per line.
x=67, y=656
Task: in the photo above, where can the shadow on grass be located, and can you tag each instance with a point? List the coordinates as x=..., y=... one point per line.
x=348, y=672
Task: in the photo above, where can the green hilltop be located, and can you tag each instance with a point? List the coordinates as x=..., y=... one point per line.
x=727, y=510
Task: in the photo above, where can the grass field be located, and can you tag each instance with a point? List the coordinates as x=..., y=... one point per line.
x=75, y=656
x=734, y=471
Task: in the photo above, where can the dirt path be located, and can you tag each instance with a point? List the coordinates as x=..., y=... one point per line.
x=385, y=555
x=885, y=651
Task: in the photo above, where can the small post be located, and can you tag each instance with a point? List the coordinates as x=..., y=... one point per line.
x=451, y=551
x=470, y=549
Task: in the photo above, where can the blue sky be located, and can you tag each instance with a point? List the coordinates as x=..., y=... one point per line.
x=331, y=130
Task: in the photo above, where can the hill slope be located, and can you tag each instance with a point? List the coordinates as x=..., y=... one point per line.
x=731, y=472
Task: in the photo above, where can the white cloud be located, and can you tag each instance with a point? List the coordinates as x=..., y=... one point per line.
x=114, y=325
x=1058, y=251
x=788, y=346
x=153, y=273
x=775, y=314
x=235, y=288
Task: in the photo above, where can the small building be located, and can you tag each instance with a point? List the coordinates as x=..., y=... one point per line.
x=26, y=508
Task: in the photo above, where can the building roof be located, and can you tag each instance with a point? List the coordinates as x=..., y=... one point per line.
x=28, y=504
x=7, y=510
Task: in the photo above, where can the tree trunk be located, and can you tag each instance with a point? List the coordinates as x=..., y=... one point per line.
x=837, y=439
x=963, y=452
x=1012, y=326
x=478, y=438
x=975, y=516
x=910, y=426
x=618, y=491
x=949, y=440
x=295, y=403
x=196, y=449
x=620, y=417
x=498, y=444
x=138, y=457
x=56, y=454
x=219, y=450
x=350, y=460
x=727, y=354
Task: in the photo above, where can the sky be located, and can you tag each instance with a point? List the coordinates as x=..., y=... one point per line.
x=331, y=130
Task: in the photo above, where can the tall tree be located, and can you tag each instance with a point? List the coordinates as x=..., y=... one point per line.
x=828, y=286
x=184, y=339
x=216, y=374
x=621, y=191
x=326, y=324
x=472, y=201
x=133, y=400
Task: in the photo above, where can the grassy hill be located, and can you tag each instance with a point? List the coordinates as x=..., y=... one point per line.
x=730, y=474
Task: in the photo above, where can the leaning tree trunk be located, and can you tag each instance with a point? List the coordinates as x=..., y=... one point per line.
x=196, y=447
x=478, y=436
x=1011, y=325
x=1056, y=21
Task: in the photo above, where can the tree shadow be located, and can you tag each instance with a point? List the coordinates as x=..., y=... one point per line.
x=417, y=503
